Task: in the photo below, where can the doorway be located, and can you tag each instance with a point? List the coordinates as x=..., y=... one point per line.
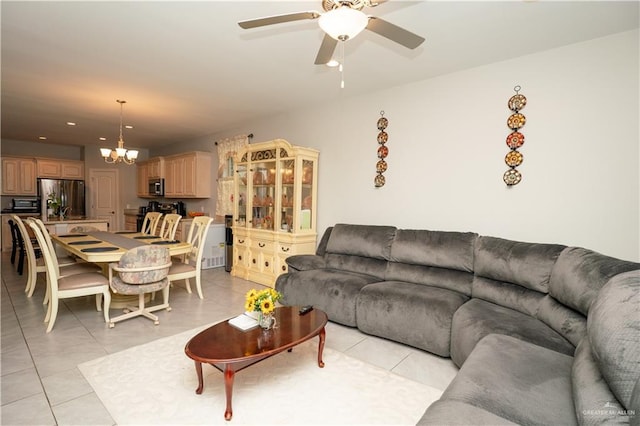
x=104, y=196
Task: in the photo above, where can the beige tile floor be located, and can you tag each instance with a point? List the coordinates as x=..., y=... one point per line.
x=41, y=385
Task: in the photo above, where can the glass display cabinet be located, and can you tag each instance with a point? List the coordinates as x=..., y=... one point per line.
x=274, y=208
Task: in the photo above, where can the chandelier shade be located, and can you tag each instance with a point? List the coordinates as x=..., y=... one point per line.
x=343, y=23
x=119, y=154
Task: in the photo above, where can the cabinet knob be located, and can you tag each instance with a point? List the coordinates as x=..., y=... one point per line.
x=253, y=261
x=285, y=249
x=266, y=264
x=261, y=245
x=240, y=241
x=284, y=268
x=239, y=257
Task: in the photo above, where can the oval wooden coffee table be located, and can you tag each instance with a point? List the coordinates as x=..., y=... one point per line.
x=230, y=350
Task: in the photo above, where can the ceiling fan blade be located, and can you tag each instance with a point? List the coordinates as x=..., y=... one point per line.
x=394, y=32
x=327, y=48
x=278, y=19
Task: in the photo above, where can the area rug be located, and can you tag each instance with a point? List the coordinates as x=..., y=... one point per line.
x=154, y=384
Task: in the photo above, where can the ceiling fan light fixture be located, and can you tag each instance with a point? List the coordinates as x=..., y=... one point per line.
x=343, y=23
x=332, y=63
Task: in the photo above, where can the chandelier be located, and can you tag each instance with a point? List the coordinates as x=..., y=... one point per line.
x=120, y=154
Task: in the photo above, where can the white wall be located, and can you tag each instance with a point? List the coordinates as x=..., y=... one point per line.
x=447, y=145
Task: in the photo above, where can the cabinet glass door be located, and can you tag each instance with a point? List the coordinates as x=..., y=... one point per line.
x=264, y=189
x=241, y=201
x=307, y=201
x=287, y=172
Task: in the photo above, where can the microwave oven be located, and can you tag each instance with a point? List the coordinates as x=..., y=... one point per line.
x=30, y=204
x=156, y=187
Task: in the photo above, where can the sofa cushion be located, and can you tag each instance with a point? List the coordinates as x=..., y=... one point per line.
x=515, y=380
x=361, y=240
x=304, y=262
x=571, y=324
x=525, y=264
x=335, y=292
x=579, y=274
x=478, y=318
x=450, y=279
x=357, y=264
x=451, y=250
x=457, y=413
x=594, y=401
x=509, y=295
x=417, y=315
x=613, y=327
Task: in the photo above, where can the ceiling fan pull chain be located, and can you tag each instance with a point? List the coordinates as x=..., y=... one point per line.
x=342, y=65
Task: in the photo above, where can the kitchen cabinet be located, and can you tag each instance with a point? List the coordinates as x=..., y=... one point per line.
x=275, y=193
x=155, y=167
x=142, y=172
x=130, y=222
x=19, y=176
x=188, y=175
x=60, y=169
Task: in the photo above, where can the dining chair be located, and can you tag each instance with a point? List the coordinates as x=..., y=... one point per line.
x=190, y=266
x=14, y=240
x=35, y=261
x=68, y=286
x=66, y=264
x=169, y=226
x=150, y=223
x=141, y=270
x=63, y=260
x=20, y=251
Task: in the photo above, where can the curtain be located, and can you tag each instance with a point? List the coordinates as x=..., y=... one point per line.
x=228, y=149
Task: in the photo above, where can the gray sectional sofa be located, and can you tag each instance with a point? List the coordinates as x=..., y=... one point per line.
x=542, y=333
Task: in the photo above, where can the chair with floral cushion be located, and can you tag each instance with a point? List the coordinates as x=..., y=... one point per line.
x=190, y=267
x=150, y=223
x=141, y=270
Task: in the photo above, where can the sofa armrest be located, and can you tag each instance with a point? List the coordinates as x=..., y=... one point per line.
x=305, y=262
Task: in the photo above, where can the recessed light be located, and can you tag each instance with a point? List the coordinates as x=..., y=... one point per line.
x=42, y=138
x=70, y=123
x=128, y=127
x=103, y=139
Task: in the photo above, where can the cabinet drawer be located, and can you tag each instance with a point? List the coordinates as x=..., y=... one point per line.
x=261, y=245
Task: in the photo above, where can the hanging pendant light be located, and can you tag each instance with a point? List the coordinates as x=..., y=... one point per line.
x=119, y=154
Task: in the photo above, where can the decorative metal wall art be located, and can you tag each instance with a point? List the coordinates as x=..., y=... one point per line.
x=515, y=139
x=383, y=151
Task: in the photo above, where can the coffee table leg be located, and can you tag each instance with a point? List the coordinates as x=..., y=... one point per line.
x=321, y=347
x=199, y=374
x=228, y=388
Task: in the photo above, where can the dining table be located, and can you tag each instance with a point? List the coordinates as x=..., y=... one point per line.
x=107, y=247
x=102, y=248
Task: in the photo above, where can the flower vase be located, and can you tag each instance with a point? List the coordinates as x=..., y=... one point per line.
x=266, y=321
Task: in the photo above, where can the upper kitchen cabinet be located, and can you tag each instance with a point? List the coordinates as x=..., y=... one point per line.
x=188, y=175
x=155, y=168
x=60, y=169
x=142, y=170
x=19, y=176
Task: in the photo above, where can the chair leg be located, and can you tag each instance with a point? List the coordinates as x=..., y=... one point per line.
x=14, y=250
x=199, y=287
x=53, y=309
x=187, y=285
x=21, y=261
x=106, y=296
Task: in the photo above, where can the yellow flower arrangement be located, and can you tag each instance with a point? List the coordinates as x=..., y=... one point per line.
x=261, y=301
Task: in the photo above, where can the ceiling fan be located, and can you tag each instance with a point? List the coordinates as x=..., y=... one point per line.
x=342, y=20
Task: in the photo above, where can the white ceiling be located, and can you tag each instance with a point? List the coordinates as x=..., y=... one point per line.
x=187, y=70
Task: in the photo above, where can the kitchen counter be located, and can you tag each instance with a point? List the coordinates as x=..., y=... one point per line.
x=57, y=221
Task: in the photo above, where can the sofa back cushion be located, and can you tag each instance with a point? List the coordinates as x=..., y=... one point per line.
x=361, y=240
x=579, y=274
x=613, y=327
x=526, y=264
x=363, y=249
x=451, y=250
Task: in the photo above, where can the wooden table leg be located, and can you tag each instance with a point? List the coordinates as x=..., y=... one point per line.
x=322, y=336
x=229, y=374
x=199, y=374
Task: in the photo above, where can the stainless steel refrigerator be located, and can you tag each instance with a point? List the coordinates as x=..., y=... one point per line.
x=70, y=194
